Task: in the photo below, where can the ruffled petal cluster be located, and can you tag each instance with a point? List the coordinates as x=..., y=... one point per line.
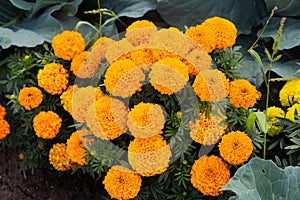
x=140, y=32
x=59, y=158
x=75, y=149
x=272, y=113
x=47, y=124
x=290, y=93
x=30, y=97
x=4, y=128
x=290, y=114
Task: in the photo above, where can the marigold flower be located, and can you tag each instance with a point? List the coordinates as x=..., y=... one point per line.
x=82, y=67
x=122, y=183
x=142, y=56
x=207, y=130
x=100, y=41
x=75, y=149
x=149, y=156
x=209, y=174
x=30, y=97
x=145, y=120
x=123, y=78
x=68, y=44
x=2, y=112
x=272, y=113
x=59, y=158
x=118, y=49
x=197, y=60
x=46, y=124
x=21, y=156
x=291, y=112
x=242, y=93
x=107, y=118
x=140, y=32
x=66, y=99
x=4, y=128
x=236, y=147
x=168, y=75
x=211, y=85
x=53, y=78
x=290, y=93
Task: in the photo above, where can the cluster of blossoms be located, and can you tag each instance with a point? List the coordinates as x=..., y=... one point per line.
x=4, y=125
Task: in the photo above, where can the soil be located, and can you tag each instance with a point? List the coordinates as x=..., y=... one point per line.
x=44, y=184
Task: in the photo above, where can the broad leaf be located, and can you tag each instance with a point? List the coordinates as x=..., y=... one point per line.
x=262, y=179
x=189, y=13
x=289, y=8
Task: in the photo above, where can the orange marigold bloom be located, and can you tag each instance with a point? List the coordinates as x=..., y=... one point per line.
x=149, y=156
x=236, y=147
x=209, y=174
x=118, y=49
x=30, y=97
x=207, y=131
x=145, y=120
x=4, y=128
x=107, y=118
x=83, y=67
x=291, y=112
x=53, y=78
x=142, y=56
x=2, y=112
x=242, y=93
x=123, y=78
x=46, y=124
x=211, y=85
x=122, y=183
x=66, y=99
x=68, y=44
x=197, y=60
x=168, y=75
x=140, y=32
x=59, y=158
x=75, y=149
x=100, y=41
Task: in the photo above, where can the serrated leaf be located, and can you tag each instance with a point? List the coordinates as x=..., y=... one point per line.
x=262, y=179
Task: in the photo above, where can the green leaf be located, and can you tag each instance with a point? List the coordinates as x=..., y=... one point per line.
x=189, y=13
x=23, y=5
x=262, y=179
x=286, y=69
x=261, y=121
x=250, y=121
x=285, y=7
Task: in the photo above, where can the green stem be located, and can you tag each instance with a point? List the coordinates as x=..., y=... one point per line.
x=100, y=19
x=267, y=105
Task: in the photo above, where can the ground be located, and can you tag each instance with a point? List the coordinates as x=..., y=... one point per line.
x=44, y=184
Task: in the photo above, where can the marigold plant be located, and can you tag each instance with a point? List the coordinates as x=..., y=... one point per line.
x=4, y=128
x=59, y=158
x=66, y=99
x=75, y=149
x=30, y=97
x=236, y=147
x=209, y=174
x=272, y=113
x=290, y=114
x=122, y=183
x=47, y=124
x=290, y=93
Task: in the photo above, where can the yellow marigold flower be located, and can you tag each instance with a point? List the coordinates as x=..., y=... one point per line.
x=236, y=147
x=197, y=60
x=142, y=56
x=117, y=50
x=123, y=78
x=168, y=75
x=75, y=149
x=290, y=93
x=4, y=128
x=30, y=97
x=66, y=99
x=149, y=156
x=291, y=112
x=140, y=32
x=46, y=124
x=2, y=112
x=211, y=85
x=86, y=141
x=59, y=158
x=122, y=183
x=272, y=113
x=83, y=98
x=145, y=120
x=107, y=118
x=242, y=93
x=99, y=49
x=209, y=174
x=68, y=44
x=53, y=78
x=100, y=41
x=21, y=156
x=207, y=131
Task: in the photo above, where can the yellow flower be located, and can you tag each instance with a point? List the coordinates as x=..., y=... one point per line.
x=30, y=97
x=140, y=32
x=207, y=131
x=2, y=112
x=102, y=41
x=68, y=44
x=80, y=68
x=59, y=158
x=209, y=174
x=272, y=113
x=107, y=118
x=197, y=60
x=211, y=85
x=118, y=49
x=291, y=112
x=142, y=56
x=53, y=78
x=123, y=78
x=290, y=93
x=4, y=128
x=75, y=149
x=46, y=124
x=236, y=147
x=122, y=183
x=168, y=75
x=242, y=93
x=21, y=156
x=149, y=156
x=145, y=120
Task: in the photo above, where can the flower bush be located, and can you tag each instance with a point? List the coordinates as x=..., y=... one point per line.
x=159, y=113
